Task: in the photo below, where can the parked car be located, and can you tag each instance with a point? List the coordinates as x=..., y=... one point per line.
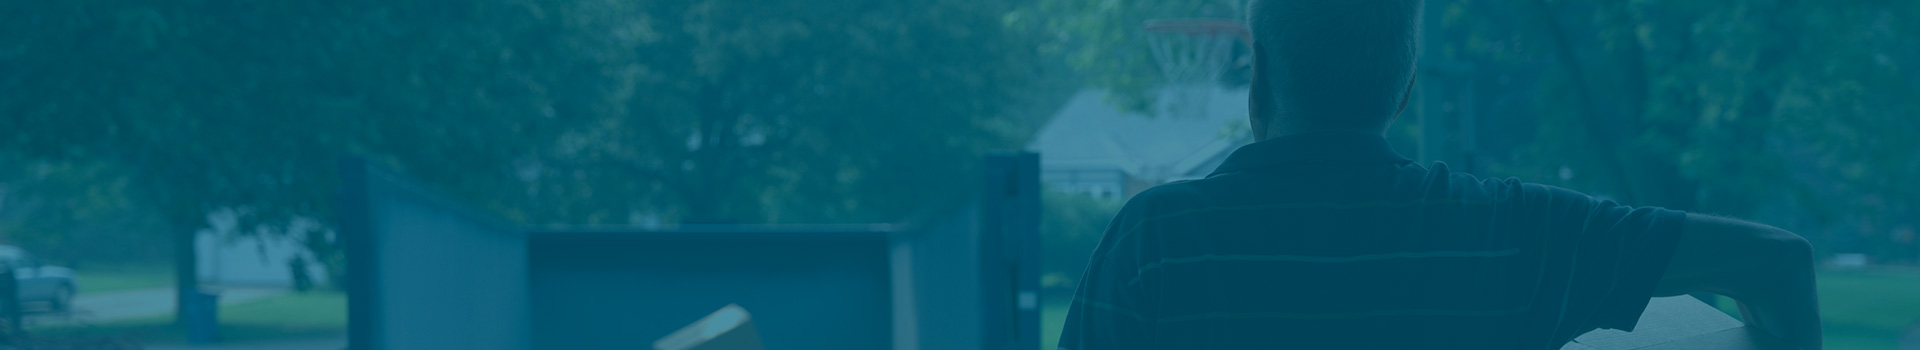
x=37, y=282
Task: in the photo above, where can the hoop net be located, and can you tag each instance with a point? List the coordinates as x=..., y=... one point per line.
x=1192, y=54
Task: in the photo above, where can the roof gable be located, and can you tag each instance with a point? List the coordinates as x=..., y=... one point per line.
x=1088, y=132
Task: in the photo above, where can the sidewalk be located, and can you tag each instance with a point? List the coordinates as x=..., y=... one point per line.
x=333, y=343
x=133, y=304
x=1911, y=339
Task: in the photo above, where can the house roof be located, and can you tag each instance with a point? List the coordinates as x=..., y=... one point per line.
x=1090, y=133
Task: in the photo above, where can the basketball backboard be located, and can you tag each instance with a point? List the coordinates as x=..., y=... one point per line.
x=1192, y=54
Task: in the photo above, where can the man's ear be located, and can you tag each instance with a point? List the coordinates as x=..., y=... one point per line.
x=1406, y=96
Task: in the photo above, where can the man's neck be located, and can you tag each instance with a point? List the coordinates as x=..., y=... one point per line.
x=1279, y=130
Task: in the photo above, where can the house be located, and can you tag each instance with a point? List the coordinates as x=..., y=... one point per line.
x=1092, y=146
x=225, y=256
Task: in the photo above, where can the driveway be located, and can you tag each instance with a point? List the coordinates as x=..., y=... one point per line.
x=98, y=308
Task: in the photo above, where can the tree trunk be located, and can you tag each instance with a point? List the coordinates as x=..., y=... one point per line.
x=186, y=278
x=1601, y=127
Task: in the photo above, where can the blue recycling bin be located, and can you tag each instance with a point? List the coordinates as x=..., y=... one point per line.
x=202, y=316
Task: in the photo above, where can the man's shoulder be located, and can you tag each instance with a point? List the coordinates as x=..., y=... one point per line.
x=1525, y=195
x=1136, y=225
x=1168, y=196
x=1436, y=179
x=1439, y=171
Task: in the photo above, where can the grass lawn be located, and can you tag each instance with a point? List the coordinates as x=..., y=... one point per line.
x=1862, y=309
x=1053, y=316
x=314, y=314
x=110, y=278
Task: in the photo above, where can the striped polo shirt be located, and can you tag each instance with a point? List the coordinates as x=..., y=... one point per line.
x=1331, y=240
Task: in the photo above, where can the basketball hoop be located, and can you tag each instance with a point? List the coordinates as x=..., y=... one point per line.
x=1192, y=54
x=1203, y=26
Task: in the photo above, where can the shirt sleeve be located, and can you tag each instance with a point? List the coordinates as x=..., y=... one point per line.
x=1107, y=311
x=1606, y=258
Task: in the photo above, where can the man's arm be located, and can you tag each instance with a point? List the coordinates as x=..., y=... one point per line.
x=1768, y=270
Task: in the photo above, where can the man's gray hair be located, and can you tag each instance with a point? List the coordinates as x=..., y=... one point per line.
x=1336, y=62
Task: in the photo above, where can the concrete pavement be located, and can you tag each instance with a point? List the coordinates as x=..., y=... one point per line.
x=332, y=343
x=1911, y=340
x=98, y=308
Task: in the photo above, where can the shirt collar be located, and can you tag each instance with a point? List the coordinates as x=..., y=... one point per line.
x=1318, y=146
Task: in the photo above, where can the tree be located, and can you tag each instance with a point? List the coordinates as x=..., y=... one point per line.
x=802, y=111
x=1071, y=225
x=67, y=212
x=235, y=104
x=1728, y=107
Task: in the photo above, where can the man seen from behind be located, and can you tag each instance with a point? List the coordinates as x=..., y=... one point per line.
x=1320, y=236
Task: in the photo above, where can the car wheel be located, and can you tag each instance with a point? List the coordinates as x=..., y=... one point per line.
x=62, y=299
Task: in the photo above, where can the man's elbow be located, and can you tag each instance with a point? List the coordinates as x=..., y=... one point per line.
x=1783, y=261
x=1790, y=251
